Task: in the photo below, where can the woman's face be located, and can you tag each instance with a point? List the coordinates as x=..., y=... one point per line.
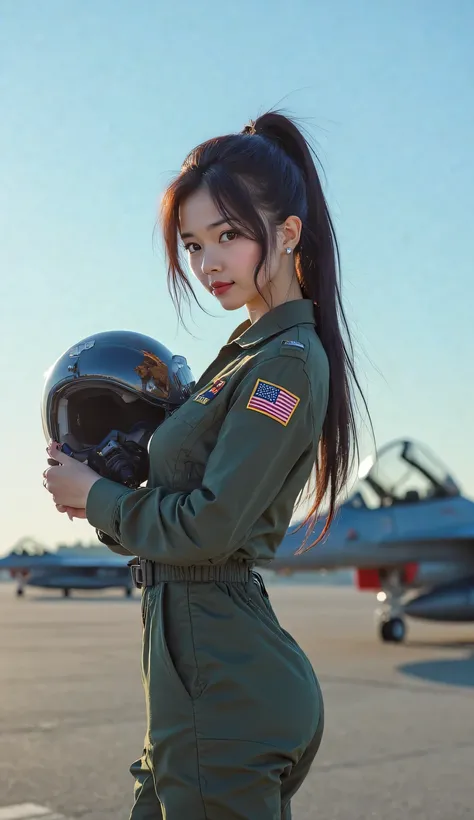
x=221, y=258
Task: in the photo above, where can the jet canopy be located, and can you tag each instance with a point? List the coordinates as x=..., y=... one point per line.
x=403, y=472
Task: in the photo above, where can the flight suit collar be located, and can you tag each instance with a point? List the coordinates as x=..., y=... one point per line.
x=282, y=317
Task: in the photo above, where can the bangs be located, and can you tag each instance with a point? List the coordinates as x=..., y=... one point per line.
x=234, y=198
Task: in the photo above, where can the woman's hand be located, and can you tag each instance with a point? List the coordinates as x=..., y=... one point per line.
x=72, y=512
x=69, y=483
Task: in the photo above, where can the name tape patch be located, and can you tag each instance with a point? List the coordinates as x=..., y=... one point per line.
x=273, y=401
x=209, y=393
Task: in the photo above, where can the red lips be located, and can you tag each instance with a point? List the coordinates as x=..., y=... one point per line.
x=220, y=287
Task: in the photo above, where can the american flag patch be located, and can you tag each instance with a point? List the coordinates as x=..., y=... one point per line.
x=272, y=400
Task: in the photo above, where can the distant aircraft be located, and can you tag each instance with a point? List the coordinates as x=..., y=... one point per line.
x=55, y=571
x=407, y=531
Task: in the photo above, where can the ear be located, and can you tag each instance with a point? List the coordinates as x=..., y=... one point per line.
x=289, y=233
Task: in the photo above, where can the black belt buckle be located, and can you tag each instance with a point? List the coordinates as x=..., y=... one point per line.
x=143, y=573
x=137, y=573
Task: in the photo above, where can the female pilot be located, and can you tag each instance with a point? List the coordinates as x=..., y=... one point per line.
x=234, y=709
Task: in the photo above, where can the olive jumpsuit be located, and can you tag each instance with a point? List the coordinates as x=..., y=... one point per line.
x=234, y=710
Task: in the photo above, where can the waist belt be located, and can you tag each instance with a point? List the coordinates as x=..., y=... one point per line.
x=147, y=573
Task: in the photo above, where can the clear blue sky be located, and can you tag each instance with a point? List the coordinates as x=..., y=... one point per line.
x=100, y=102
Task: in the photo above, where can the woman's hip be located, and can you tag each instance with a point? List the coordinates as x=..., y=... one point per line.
x=214, y=654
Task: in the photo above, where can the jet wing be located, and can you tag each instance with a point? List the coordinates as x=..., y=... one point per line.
x=115, y=561
x=463, y=533
x=50, y=560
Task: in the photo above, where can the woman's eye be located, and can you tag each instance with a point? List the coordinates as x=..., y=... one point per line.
x=192, y=247
x=230, y=236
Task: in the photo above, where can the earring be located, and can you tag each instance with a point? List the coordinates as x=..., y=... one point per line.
x=288, y=250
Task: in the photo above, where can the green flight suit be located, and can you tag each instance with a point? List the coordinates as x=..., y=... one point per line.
x=234, y=709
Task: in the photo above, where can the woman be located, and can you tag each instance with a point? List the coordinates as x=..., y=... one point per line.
x=235, y=713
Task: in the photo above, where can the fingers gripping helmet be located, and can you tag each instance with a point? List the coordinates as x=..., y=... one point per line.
x=104, y=397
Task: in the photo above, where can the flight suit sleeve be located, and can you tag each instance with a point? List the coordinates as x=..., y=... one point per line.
x=267, y=429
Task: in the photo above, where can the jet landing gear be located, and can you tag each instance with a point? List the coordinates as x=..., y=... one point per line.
x=21, y=583
x=392, y=630
x=391, y=624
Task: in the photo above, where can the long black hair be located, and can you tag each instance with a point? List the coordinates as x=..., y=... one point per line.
x=268, y=170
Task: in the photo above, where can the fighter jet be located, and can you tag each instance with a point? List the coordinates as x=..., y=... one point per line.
x=407, y=531
x=50, y=570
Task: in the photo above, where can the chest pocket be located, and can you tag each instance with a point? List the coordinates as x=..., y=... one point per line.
x=181, y=447
x=202, y=423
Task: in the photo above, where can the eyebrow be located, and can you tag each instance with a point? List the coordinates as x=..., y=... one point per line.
x=209, y=228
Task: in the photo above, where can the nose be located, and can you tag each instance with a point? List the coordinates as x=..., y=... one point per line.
x=210, y=262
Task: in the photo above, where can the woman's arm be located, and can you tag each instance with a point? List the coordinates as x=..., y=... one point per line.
x=259, y=444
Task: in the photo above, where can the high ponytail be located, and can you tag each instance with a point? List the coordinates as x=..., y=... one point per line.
x=269, y=168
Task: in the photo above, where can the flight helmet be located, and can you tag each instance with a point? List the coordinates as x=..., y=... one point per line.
x=104, y=397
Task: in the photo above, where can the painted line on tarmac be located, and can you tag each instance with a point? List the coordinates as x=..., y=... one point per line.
x=29, y=811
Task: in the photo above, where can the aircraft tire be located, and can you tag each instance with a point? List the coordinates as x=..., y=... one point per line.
x=19, y=592
x=393, y=630
x=128, y=592
x=66, y=592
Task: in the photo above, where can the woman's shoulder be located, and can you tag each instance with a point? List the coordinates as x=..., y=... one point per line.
x=292, y=365
x=300, y=343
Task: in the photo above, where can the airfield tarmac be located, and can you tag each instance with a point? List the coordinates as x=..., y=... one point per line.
x=399, y=740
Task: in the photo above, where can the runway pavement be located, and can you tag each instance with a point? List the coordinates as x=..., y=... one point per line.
x=399, y=739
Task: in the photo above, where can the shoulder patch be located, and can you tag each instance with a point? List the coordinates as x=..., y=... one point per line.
x=292, y=343
x=273, y=401
x=291, y=347
x=209, y=393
